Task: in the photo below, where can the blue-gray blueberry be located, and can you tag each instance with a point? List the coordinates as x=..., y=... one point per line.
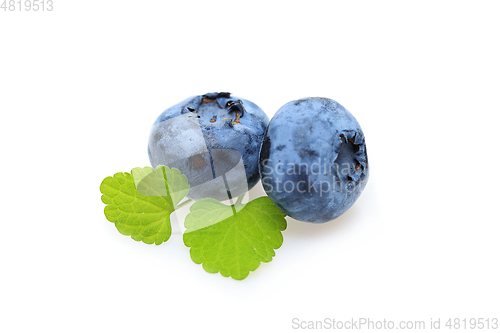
x=213, y=139
x=313, y=160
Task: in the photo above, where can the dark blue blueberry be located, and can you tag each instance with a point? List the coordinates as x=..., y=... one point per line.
x=313, y=161
x=214, y=139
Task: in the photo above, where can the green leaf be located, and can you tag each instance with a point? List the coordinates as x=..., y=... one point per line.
x=233, y=240
x=140, y=203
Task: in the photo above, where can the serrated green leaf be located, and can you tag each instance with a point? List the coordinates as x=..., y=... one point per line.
x=140, y=203
x=233, y=240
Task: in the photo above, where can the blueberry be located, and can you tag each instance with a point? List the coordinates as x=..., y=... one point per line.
x=313, y=160
x=213, y=139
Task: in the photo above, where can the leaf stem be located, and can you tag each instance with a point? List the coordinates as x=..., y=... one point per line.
x=235, y=207
x=183, y=204
x=240, y=199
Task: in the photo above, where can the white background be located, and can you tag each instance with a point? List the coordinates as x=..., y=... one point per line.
x=80, y=87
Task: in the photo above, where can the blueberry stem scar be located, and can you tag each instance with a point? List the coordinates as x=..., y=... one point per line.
x=232, y=105
x=237, y=120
